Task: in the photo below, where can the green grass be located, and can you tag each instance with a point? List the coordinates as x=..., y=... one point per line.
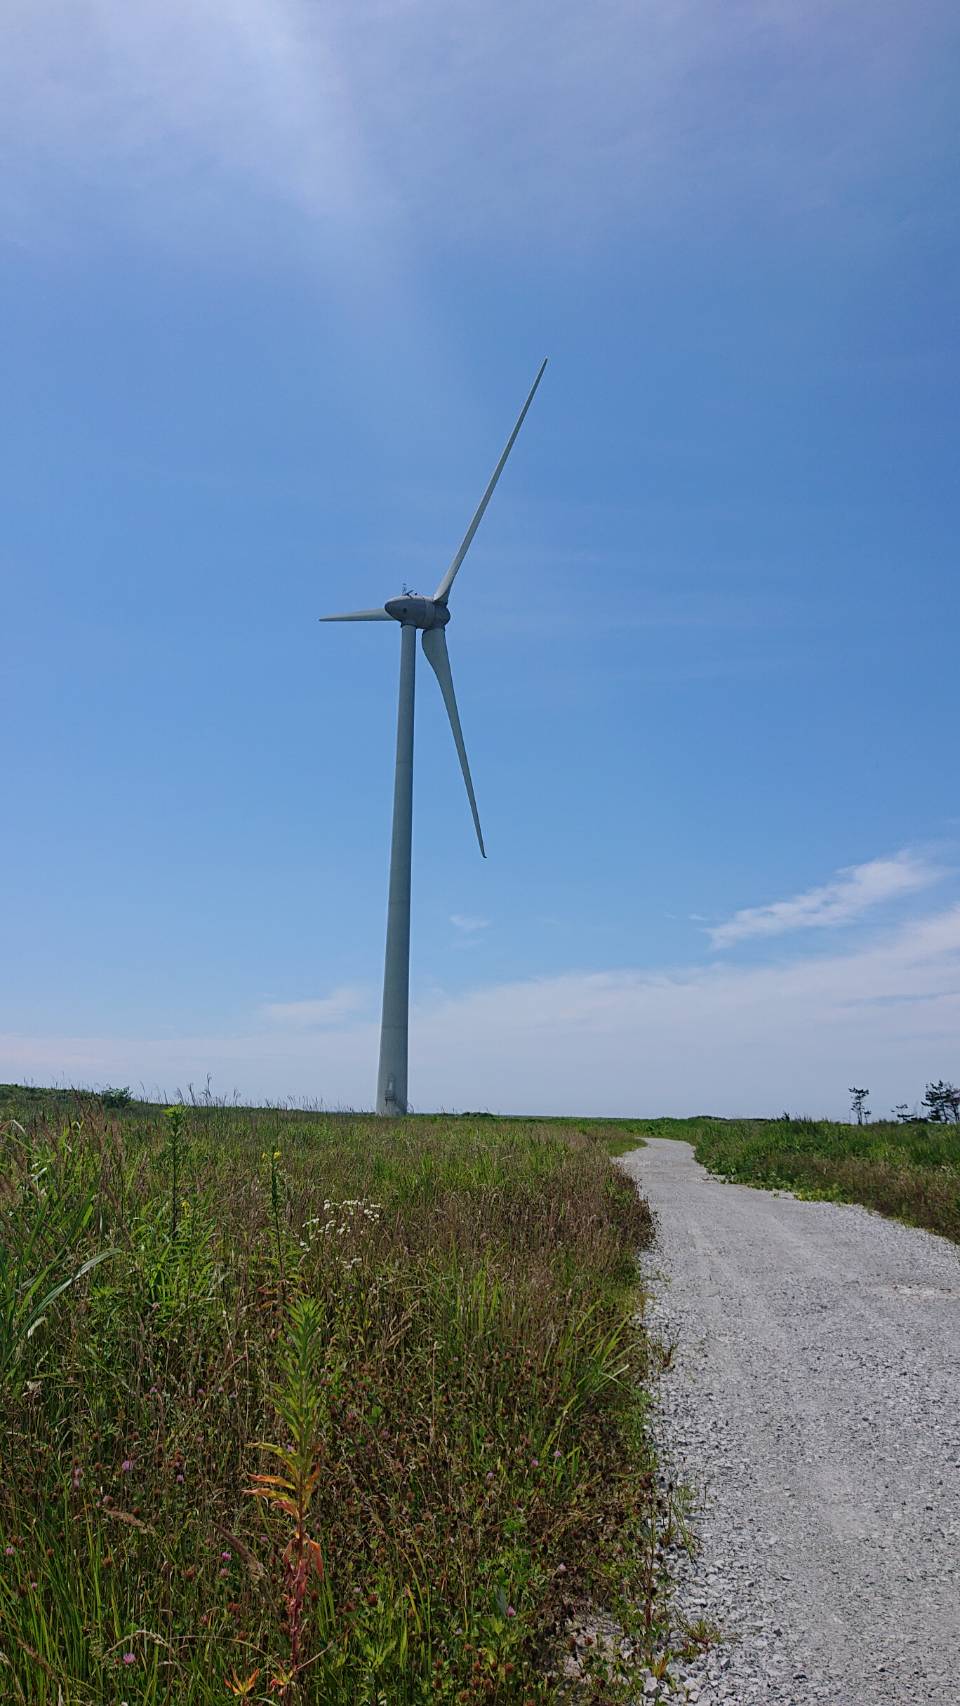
x=910, y=1172
x=427, y=1330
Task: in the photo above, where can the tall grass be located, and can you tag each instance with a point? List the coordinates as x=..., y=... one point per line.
x=316, y=1409
x=910, y=1171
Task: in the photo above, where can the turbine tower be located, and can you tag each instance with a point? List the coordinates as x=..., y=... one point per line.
x=431, y=616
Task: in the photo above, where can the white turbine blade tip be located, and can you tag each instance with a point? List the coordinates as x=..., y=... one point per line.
x=434, y=645
x=454, y=569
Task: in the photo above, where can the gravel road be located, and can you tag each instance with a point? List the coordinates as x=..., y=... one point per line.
x=814, y=1406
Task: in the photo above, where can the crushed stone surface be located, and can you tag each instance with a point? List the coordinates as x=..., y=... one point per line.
x=813, y=1406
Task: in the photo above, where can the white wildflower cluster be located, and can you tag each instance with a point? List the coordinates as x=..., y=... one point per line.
x=353, y=1214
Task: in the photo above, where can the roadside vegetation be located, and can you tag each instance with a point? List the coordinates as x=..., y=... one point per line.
x=907, y=1169
x=310, y=1408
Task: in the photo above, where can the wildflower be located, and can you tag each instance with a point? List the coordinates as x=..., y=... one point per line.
x=180, y=1480
x=489, y=1474
x=535, y=1462
x=227, y=1555
x=510, y=1611
x=10, y=1551
x=129, y=1658
x=557, y=1456
x=126, y=1465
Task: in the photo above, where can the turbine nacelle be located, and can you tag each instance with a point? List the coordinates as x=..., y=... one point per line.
x=416, y=612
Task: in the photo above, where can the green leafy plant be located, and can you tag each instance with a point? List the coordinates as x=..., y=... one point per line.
x=276, y=1208
x=175, y=1118
x=299, y=1402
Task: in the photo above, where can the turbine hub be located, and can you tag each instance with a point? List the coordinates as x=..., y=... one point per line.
x=415, y=612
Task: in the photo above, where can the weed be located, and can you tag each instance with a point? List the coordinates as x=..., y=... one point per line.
x=174, y=1118
x=299, y=1402
x=276, y=1209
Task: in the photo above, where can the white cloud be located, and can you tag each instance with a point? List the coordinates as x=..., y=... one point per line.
x=330, y=1010
x=854, y=890
x=720, y=1038
x=468, y=924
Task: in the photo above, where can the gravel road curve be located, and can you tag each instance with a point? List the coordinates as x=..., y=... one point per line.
x=814, y=1406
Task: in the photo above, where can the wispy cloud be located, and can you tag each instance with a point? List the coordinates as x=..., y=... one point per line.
x=468, y=930
x=329, y=1010
x=719, y=1038
x=391, y=111
x=203, y=103
x=853, y=891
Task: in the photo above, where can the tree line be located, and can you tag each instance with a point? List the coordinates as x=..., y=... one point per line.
x=941, y=1101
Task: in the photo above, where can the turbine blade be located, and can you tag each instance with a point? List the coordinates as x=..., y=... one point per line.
x=435, y=652
x=451, y=574
x=360, y=616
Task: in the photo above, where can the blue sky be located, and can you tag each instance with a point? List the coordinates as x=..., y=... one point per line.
x=276, y=279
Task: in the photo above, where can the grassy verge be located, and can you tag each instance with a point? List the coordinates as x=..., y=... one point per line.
x=910, y=1172
x=317, y=1409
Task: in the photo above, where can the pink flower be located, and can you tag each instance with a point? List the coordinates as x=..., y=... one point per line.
x=510, y=1611
x=180, y=1480
x=126, y=1465
x=535, y=1462
x=489, y=1474
x=10, y=1551
x=129, y=1658
x=226, y=1554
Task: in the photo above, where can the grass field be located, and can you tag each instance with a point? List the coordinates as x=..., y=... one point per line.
x=910, y=1171
x=317, y=1409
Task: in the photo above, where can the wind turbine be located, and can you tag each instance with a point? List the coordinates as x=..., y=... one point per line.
x=431, y=616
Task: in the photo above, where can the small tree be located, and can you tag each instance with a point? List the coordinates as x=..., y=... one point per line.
x=858, y=1098
x=902, y=1113
x=113, y=1097
x=943, y=1101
